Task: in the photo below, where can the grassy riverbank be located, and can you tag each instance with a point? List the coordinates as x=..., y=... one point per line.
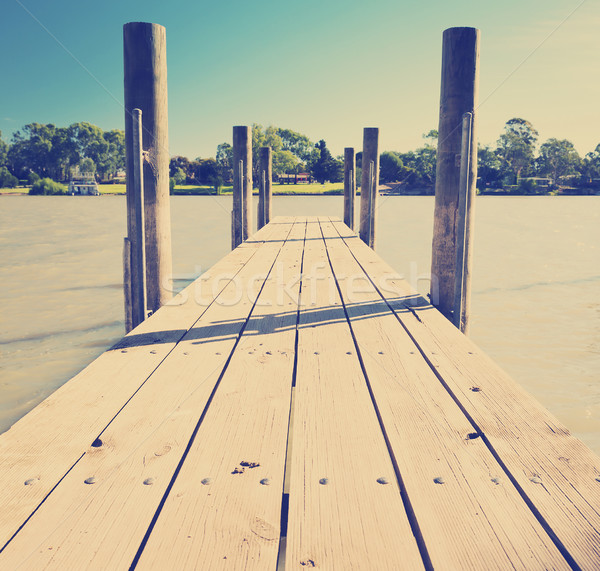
x=192, y=190
x=278, y=189
x=293, y=190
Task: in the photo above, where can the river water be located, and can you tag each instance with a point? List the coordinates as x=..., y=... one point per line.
x=535, y=304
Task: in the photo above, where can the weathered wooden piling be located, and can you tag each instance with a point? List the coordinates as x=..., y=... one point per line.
x=369, y=189
x=265, y=186
x=464, y=233
x=349, y=186
x=242, y=184
x=145, y=81
x=459, y=94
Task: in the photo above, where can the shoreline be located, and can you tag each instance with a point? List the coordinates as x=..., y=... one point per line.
x=332, y=189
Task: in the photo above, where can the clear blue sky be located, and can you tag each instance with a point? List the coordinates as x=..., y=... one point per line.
x=326, y=68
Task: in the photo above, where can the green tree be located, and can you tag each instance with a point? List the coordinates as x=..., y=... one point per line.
x=489, y=167
x=89, y=141
x=87, y=166
x=268, y=137
x=179, y=176
x=30, y=150
x=323, y=166
x=206, y=171
x=391, y=168
x=425, y=164
x=47, y=186
x=7, y=180
x=516, y=147
x=590, y=168
x=431, y=138
x=113, y=160
x=225, y=161
x=300, y=145
x=3, y=152
x=182, y=163
x=558, y=159
x=44, y=149
x=285, y=162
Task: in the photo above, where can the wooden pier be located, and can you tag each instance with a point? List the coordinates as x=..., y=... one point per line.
x=296, y=407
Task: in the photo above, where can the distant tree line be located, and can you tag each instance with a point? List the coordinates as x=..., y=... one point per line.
x=293, y=153
x=517, y=164
x=514, y=163
x=46, y=151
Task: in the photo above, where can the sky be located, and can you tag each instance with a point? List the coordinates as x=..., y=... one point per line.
x=325, y=68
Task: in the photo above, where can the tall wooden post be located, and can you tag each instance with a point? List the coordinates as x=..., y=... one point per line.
x=265, y=187
x=242, y=184
x=349, y=186
x=369, y=190
x=459, y=95
x=145, y=73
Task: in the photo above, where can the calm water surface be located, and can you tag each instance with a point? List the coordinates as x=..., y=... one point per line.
x=536, y=286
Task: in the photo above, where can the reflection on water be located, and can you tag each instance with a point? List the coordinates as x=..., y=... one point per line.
x=536, y=294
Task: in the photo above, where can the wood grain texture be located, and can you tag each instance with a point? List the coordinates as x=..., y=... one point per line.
x=349, y=186
x=242, y=184
x=469, y=521
x=169, y=451
x=145, y=83
x=265, y=185
x=44, y=445
x=369, y=188
x=556, y=473
x=340, y=517
x=233, y=523
x=459, y=94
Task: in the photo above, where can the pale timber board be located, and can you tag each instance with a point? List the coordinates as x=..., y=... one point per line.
x=234, y=521
x=557, y=474
x=50, y=440
x=340, y=517
x=469, y=521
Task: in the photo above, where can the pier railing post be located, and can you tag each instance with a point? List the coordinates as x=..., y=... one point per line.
x=139, y=294
x=265, y=187
x=145, y=80
x=458, y=95
x=369, y=189
x=464, y=233
x=349, y=186
x=242, y=184
x=127, y=284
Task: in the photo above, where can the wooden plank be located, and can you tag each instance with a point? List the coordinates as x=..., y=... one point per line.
x=340, y=517
x=234, y=522
x=43, y=446
x=145, y=441
x=556, y=474
x=468, y=521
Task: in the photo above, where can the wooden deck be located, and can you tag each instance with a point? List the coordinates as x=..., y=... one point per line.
x=296, y=406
